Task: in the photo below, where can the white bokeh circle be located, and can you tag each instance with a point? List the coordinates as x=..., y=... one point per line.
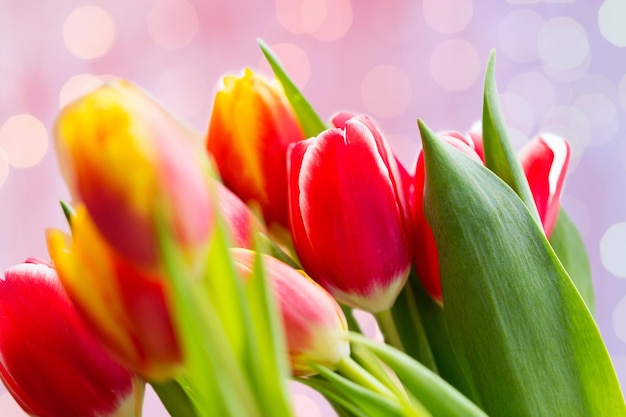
x=437, y=14
x=455, y=64
x=611, y=21
x=562, y=44
x=612, y=247
x=89, y=32
x=518, y=47
x=24, y=140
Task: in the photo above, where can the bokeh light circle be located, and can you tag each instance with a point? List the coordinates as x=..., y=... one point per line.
x=517, y=111
x=601, y=112
x=325, y=20
x=77, y=86
x=337, y=21
x=24, y=140
x=572, y=125
x=295, y=61
x=562, y=44
x=612, y=247
x=611, y=21
x=448, y=16
x=536, y=89
x=520, y=48
x=89, y=32
x=386, y=91
x=455, y=65
x=172, y=24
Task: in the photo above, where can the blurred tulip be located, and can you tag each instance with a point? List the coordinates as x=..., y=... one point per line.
x=131, y=163
x=49, y=361
x=347, y=215
x=315, y=327
x=251, y=127
x=544, y=160
x=238, y=219
x=123, y=303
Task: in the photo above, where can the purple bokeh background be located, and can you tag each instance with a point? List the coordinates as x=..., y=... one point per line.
x=561, y=68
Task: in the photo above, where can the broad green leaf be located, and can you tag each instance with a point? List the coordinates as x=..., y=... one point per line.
x=519, y=326
x=500, y=156
x=435, y=394
x=310, y=122
x=569, y=246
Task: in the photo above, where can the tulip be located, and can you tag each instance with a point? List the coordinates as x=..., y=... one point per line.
x=544, y=160
x=49, y=361
x=133, y=165
x=123, y=303
x=314, y=324
x=347, y=217
x=251, y=127
x=239, y=220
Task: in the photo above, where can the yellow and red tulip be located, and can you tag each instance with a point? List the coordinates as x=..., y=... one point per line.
x=347, y=215
x=131, y=163
x=315, y=327
x=124, y=303
x=251, y=127
x=49, y=361
x=544, y=160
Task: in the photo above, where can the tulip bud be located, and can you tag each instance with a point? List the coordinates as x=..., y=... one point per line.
x=346, y=214
x=251, y=126
x=315, y=327
x=544, y=161
x=49, y=361
x=131, y=163
x=123, y=303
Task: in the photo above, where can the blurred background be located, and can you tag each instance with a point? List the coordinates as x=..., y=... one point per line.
x=561, y=68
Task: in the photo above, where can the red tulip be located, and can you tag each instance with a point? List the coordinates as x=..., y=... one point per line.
x=49, y=361
x=315, y=327
x=347, y=215
x=251, y=127
x=544, y=160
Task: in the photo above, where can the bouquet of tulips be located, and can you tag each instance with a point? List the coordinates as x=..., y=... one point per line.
x=218, y=267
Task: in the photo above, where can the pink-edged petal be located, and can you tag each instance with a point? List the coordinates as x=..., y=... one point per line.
x=545, y=160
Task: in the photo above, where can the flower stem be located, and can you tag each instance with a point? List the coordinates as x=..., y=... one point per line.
x=388, y=328
x=349, y=368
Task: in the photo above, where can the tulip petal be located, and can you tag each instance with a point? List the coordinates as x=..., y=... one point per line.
x=357, y=218
x=545, y=160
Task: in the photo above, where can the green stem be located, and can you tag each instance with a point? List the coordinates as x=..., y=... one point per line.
x=408, y=319
x=388, y=328
x=355, y=372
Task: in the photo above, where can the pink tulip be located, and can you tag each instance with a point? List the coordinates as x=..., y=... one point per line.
x=49, y=361
x=315, y=327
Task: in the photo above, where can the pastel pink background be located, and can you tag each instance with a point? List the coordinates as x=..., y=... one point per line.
x=561, y=68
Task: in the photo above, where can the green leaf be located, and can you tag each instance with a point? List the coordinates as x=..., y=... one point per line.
x=343, y=405
x=406, y=316
x=500, y=156
x=373, y=403
x=570, y=248
x=436, y=331
x=311, y=123
x=174, y=398
x=267, y=346
x=435, y=394
x=521, y=331
x=68, y=211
